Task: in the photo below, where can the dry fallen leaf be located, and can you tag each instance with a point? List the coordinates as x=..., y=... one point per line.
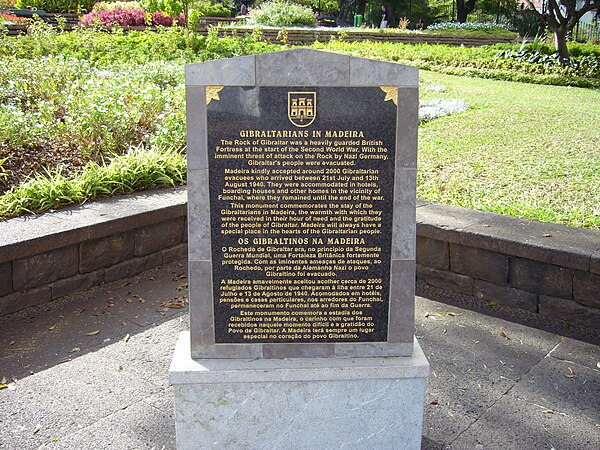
x=434, y=402
x=75, y=350
x=181, y=286
x=119, y=368
x=504, y=335
x=129, y=300
x=598, y=364
x=3, y=380
x=99, y=312
x=37, y=428
x=548, y=411
x=51, y=328
x=141, y=300
x=175, y=303
x=126, y=338
x=14, y=342
x=570, y=373
x=546, y=235
x=92, y=333
x=3, y=386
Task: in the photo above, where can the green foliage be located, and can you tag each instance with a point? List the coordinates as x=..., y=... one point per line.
x=328, y=7
x=587, y=66
x=281, y=13
x=175, y=7
x=139, y=168
x=470, y=61
x=107, y=6
x=207, y=9
x=3, y=172
x=528, y=25
x=169, y=7
x=57, y=6
x=68, y=104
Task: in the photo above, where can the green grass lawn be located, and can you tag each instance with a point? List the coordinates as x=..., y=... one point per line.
x=521, y=149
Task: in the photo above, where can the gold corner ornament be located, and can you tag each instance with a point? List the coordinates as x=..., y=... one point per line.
x=212, y=93
x=302, y=108
x=391, y=93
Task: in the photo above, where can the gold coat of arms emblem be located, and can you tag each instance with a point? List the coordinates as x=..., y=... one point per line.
x=302, y=108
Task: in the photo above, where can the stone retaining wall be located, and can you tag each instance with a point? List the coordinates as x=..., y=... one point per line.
x=45, y=257
x=547, y=270
x=308, y=36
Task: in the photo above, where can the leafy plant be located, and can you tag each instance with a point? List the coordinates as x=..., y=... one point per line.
x=3, y=172
x=109, y=6
x=403, y=23
x=139, y=168
x=57, y=6
x=210, y=9
x=281, y=13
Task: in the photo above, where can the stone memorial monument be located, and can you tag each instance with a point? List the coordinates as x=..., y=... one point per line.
x=301, y=230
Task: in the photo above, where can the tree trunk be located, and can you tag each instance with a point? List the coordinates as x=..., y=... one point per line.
x=360, y=7
x=560, y=40
x=463, y=9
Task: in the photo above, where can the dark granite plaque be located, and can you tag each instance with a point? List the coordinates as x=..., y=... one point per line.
x=301, y=202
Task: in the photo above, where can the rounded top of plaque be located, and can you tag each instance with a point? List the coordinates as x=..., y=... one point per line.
x=300, y=67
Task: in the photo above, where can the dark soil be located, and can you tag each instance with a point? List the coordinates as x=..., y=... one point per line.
x=24, y=162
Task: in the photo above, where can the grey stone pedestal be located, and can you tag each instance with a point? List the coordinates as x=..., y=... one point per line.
x=303, y=403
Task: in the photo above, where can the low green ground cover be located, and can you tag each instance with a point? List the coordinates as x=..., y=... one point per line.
x=92, y=114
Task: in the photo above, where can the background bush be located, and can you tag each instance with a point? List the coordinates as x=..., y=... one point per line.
x=58, y=6
x=281, y=13
x=207, y=9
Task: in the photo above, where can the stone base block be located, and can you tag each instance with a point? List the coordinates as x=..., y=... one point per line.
x=303, y=403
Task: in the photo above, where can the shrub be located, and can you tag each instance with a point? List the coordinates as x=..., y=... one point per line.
x=281, y=13
x=528, y=25
x=327, y=7
x=110, y=6
x=57, y=6
x=210, y=9
x=125, y=17
x=126, y=14
x=207, y=9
